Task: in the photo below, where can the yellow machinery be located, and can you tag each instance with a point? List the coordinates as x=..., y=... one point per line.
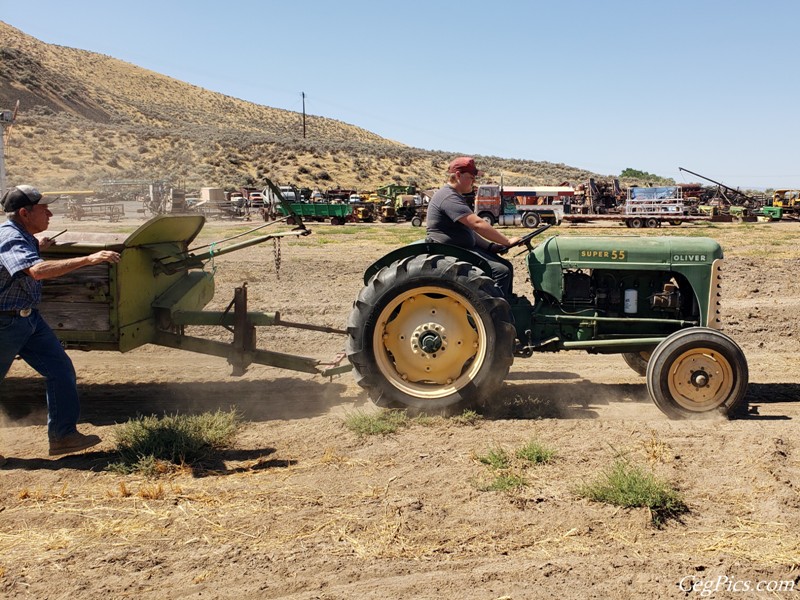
x=789, y=200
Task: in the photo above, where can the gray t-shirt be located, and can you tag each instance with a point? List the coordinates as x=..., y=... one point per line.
x=444, y=210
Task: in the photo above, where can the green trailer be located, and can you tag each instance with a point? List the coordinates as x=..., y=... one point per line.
x=158, y=289
x=337, y=214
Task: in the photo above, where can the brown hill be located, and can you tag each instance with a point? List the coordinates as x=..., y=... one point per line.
x=86, y=117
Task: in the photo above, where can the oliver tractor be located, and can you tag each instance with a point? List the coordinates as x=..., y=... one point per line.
x=430, y=330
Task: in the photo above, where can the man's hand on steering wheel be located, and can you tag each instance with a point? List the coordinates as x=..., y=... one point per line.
x=526, y=239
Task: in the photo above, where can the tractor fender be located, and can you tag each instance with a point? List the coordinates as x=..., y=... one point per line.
x=423, y=247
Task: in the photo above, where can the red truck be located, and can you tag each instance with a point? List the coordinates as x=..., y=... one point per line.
x=525, y=206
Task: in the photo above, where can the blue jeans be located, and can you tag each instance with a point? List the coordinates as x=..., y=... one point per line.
x=502, y=271
x=33, y=340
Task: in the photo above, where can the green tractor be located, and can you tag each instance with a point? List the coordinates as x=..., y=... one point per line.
x=431, y=332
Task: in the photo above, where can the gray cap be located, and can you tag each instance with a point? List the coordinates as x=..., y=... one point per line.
x=22, y=196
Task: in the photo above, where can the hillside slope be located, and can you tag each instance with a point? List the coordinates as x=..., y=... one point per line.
x=85, y=117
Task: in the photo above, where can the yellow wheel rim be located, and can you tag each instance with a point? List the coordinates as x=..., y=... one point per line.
x=701, y=379
x=429, y=342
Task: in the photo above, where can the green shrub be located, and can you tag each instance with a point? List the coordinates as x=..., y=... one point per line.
x=630, y=486
x=146, y=442
x=535, y=453
x=496, y=458
x=381, y=423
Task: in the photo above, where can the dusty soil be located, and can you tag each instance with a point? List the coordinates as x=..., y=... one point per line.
x=302, y=507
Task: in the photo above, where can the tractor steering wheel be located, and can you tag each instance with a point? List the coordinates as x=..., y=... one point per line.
x=525, y=240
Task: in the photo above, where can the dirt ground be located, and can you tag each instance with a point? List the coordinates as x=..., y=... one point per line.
x=303, y=508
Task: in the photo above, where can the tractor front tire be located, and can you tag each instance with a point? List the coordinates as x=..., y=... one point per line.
x=698, y=371
x=432, y=334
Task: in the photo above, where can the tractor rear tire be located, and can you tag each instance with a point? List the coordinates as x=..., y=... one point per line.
x=698, y=372
x=637, y=361
x=432, y=334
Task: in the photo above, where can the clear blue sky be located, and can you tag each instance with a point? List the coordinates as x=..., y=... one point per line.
x=703, y=84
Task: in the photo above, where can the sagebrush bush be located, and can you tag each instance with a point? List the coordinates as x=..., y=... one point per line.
x=173, y=439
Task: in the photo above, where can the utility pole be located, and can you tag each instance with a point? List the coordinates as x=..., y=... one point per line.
x=6, y=120
x=3, y=150
x=303, y=94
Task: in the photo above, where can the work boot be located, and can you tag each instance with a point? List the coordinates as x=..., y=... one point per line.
x=72, y=443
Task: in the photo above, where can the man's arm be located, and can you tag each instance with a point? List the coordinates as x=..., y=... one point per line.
x=486, y=231
x=49, y=269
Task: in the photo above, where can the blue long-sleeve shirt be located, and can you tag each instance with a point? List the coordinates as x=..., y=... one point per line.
x=19, y=250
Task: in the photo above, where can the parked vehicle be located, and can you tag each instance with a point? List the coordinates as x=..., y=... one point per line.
x=337, y=214
x=523, y=206
x=290, y=193
x=788, y=201
x=363, y=212
x=647, y=207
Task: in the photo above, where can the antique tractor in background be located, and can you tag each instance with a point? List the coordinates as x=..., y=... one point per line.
x=431, y=331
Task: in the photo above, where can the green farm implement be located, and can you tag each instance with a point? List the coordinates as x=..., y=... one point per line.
x=157, y=290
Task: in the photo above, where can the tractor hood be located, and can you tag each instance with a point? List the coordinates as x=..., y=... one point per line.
x=696, y=259
x=626, y=252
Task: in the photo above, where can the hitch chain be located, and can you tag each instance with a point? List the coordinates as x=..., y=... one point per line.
x=276, y=250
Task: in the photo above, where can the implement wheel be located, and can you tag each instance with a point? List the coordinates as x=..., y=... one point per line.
x=698, y=371
x=430, y=333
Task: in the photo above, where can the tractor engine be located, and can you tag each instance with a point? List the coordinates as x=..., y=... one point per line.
x=621, y=293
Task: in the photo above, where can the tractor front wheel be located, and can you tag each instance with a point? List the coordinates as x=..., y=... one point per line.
x=698, y=371
x=430, y=333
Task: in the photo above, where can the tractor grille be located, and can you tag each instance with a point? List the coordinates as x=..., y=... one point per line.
x=715, y=295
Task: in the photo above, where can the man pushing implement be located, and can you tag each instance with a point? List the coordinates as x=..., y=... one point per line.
x=23, y=332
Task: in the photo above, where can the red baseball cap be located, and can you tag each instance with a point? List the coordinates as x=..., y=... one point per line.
x=463, y=164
